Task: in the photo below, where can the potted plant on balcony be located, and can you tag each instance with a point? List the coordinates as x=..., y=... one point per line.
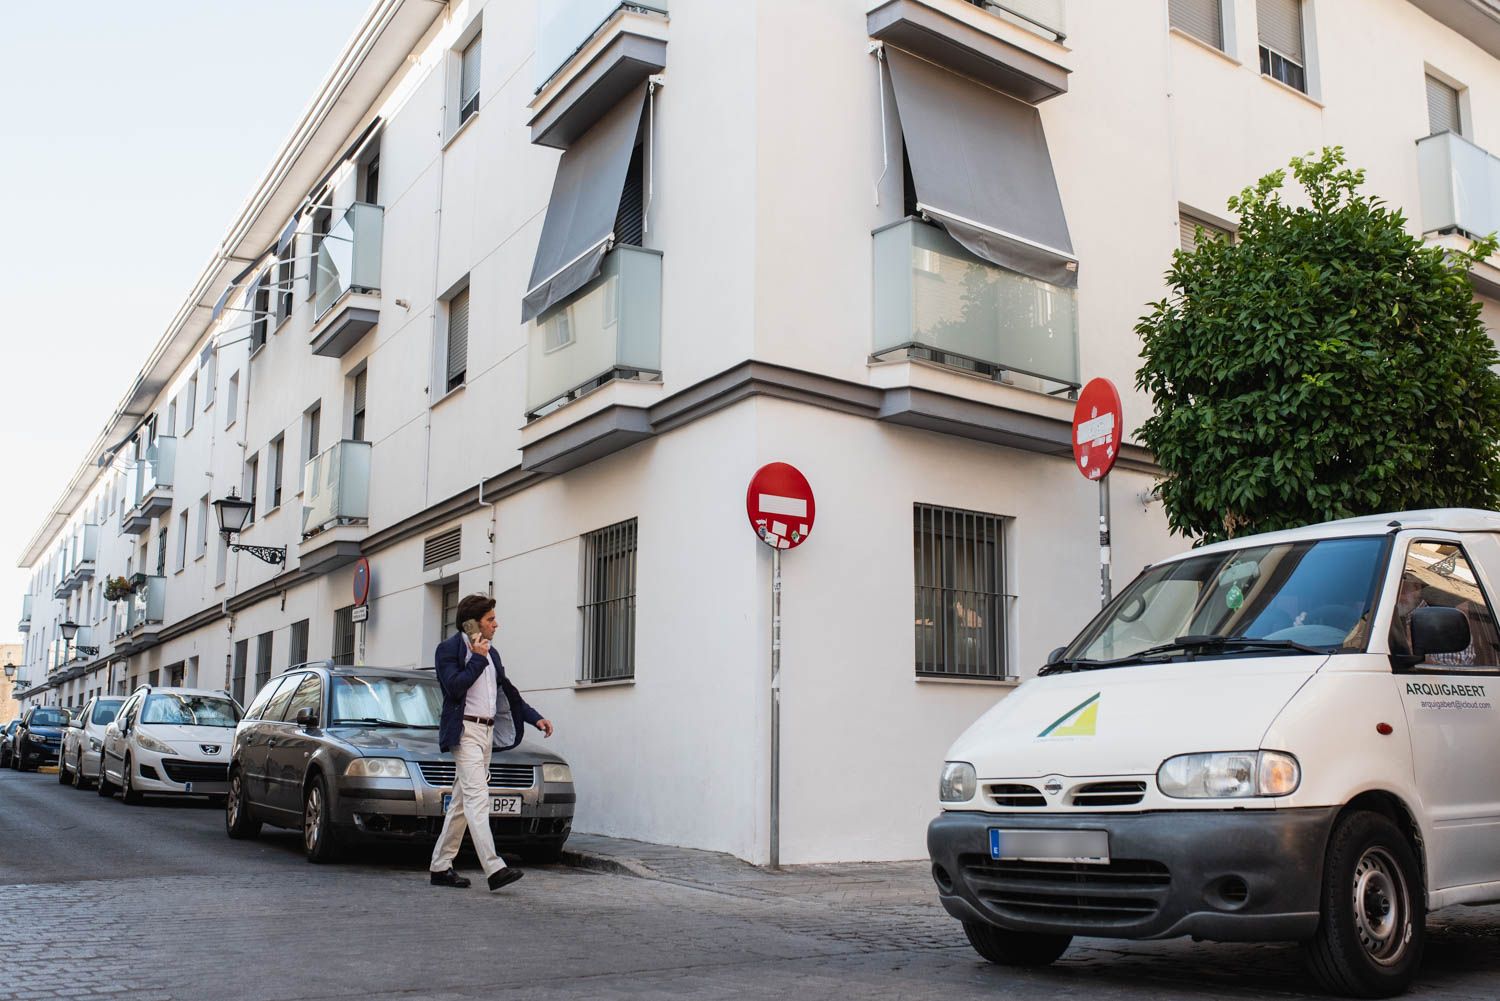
x=117, y=589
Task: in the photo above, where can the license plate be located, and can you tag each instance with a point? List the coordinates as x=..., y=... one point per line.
x=1088, y=847
x=504, y=806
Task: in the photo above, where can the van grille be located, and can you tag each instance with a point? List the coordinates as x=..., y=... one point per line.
x=1109, y=794
x=1015, y=794
x=1124, y=892
x=440, y=773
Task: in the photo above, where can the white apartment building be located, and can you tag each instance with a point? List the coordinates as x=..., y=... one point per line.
x=533, y=288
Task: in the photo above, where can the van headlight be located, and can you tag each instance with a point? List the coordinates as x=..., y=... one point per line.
x=1229, y=775
x=556, y=771
x=378, y=768
x=958, y=782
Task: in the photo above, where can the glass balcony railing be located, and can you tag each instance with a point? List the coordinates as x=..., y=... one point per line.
x=1460, y=185
x=348, y=257
x=148, y=603
x=25, y=626
x=337, y=488
x=611, y=328
x=934, y=297
x=1046, y=15
x=156, y=468
x=563, y=26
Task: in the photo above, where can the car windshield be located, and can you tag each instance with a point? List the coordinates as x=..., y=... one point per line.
x=1294, y=596
x=375, y=700
x=190, y=710
x=105, y=711
x=49, y=717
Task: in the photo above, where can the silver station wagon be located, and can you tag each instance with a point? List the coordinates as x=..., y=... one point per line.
x=349, y=753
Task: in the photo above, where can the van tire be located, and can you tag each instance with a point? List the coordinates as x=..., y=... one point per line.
x=1374, y=910
x=1015, y=948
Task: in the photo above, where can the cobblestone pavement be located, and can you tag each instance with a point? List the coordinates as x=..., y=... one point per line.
x=100, y=900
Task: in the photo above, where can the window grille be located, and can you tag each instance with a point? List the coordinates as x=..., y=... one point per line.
x=299, y=642
x=445, y=547
x=262, y=660
x=237, y=685
x=607, y=604
x=343, y=636
x=960, y=593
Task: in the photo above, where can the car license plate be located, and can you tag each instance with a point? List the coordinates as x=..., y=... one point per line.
x=504, y=806
x=1088, y=847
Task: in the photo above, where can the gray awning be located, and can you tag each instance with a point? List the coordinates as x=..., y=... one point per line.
x=285, y=239
x=581, y=213
x=982, y=170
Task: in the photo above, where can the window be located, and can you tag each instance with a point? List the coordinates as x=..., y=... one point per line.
x=468, y=83
x=312, y=422
x=274, y=456
x=1203, y=19
x=262, y=696
x=309, y=696
x=299, y=642
x=190, y=402
x=260, y=316
x=171, y=419
x=449, y=622
x=202, y=527
x=960, y=593
x=276, y=708
x=608, y=602
x=322, y=220
x=262, y=660
x=182, y=537
x=247, y=490
x=221, y=560
x=371, y=180
x=1188, y=227
x=1443, y=113
x=161, y=552
x=343, y=635
x=232, y=410
x=456, y=343
x=237, y=681
x=1282, y=56
x=208, y=366
x=286, y=274
x=357, y=416
x=630, y=217
x=1440, y=574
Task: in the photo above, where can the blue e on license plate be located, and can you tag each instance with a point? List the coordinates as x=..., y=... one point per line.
x=1088, y=847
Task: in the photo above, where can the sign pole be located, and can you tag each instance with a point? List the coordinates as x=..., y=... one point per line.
x=775, y=708
x=1104, y=584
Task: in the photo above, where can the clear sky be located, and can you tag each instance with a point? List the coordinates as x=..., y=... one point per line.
x=130, y=133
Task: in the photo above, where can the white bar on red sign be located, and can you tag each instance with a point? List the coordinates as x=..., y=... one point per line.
x=1099, y=427
x=792, y=507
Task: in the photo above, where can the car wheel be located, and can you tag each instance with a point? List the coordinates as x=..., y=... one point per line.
x=104, y=787
x=1015, y=948
x=79, y=782
x=62, y=770
x=1374, y=912
x=238, y=823
x=319, y=839
x=128, y=792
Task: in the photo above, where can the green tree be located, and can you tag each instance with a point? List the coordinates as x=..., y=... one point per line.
x=1324, y=364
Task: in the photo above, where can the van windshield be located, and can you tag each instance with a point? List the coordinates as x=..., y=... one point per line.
x=1292, y=597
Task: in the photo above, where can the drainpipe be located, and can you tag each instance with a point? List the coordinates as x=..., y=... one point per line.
x=491, y=590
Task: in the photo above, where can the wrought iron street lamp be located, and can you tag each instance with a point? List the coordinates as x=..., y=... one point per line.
x=234, y=512
x=69, y=630
x=10, y=670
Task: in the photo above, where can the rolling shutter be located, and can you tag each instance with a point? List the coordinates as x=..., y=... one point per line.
x=1280, y=28
x=1442, y=108
x=1200, y=18
x=458, y=338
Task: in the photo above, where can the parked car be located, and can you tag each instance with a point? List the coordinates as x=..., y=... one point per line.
x=84, y=740
x=1289, y=736
x=38, y=739
x=7, y=737
x=172, y=741
x=352, y=753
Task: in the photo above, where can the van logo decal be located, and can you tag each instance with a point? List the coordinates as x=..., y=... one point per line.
x=1084, y=719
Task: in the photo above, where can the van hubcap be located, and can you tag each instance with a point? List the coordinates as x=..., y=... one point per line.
x=313, y=819
x=1382, y=907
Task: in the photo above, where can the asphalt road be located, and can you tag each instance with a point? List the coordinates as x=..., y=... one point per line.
x=99, y=899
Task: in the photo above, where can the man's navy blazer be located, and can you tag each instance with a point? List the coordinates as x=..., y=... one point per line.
x=457, y=669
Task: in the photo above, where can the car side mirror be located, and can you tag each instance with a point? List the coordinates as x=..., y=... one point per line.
x=1438, y=629
x=307, y=717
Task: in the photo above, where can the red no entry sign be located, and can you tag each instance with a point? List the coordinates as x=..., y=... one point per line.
x=361, y=581
x=780, y=505
x=1098, y=425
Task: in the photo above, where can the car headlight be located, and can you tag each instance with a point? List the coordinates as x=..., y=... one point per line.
x=958, y=782
x=1229, y=775
x=378, y=768
x=37, y=738
x=556, y=771
x=150, y=743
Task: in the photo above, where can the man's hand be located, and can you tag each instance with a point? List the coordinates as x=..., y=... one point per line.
x=482, y=647
x=544, y=725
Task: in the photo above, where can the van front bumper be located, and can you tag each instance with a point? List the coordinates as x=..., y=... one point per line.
x=1225, y=875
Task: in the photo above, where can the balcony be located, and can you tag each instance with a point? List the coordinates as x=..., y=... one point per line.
x=610, y=330
x=335, y=506
x=935, y=301
x=25, y=624
x=86, y=553
x=346, y=280
x=146, y=610
x=152, y=474
x=1460, y=189
x=589, y=55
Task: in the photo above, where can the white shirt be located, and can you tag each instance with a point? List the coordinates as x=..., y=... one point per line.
x=481, y=698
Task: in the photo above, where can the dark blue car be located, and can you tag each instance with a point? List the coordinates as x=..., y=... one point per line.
x=38, y=740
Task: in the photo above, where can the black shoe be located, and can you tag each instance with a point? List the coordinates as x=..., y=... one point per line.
x=504, y=877
x=449, y=878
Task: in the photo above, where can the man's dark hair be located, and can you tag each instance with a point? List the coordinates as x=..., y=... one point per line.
x=475, y=606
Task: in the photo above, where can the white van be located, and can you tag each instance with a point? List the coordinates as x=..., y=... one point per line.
x=1285, y=737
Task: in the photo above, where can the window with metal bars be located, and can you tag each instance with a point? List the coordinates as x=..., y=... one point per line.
x=960, y=593
x=262, y=660
x=1282, y=53
x=444, y=547
x=237, y=682
x=343, y=636
x=299, y=642
x=607, y=602
x=1203, y=19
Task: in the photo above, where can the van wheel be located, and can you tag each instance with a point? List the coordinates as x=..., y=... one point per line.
x=1374, y=912
x=1015, y=948
x=319, y=839
x=237, y=820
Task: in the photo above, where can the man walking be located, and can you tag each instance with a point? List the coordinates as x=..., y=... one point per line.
x=481, y=710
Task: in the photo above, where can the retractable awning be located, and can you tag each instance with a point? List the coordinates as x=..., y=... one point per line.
x=585, y=201
x=982, y=171
x=285, y=240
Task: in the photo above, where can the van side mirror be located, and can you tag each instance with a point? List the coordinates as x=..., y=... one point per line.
x=1055, y=656
x=1438, y=629
x=307, y=717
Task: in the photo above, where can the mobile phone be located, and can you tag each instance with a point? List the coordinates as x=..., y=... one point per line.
x=470, y=629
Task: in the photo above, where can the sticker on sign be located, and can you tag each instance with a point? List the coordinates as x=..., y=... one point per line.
x=1097, y=429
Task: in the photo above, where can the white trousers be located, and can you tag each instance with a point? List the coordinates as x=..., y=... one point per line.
x=470, y=806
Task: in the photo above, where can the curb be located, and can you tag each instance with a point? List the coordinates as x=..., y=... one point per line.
x=576, y=859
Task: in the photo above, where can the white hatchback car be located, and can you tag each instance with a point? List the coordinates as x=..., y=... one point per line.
x=83, y=739
x=172, y=741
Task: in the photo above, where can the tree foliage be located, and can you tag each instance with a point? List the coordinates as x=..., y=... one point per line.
x=1324, y=364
